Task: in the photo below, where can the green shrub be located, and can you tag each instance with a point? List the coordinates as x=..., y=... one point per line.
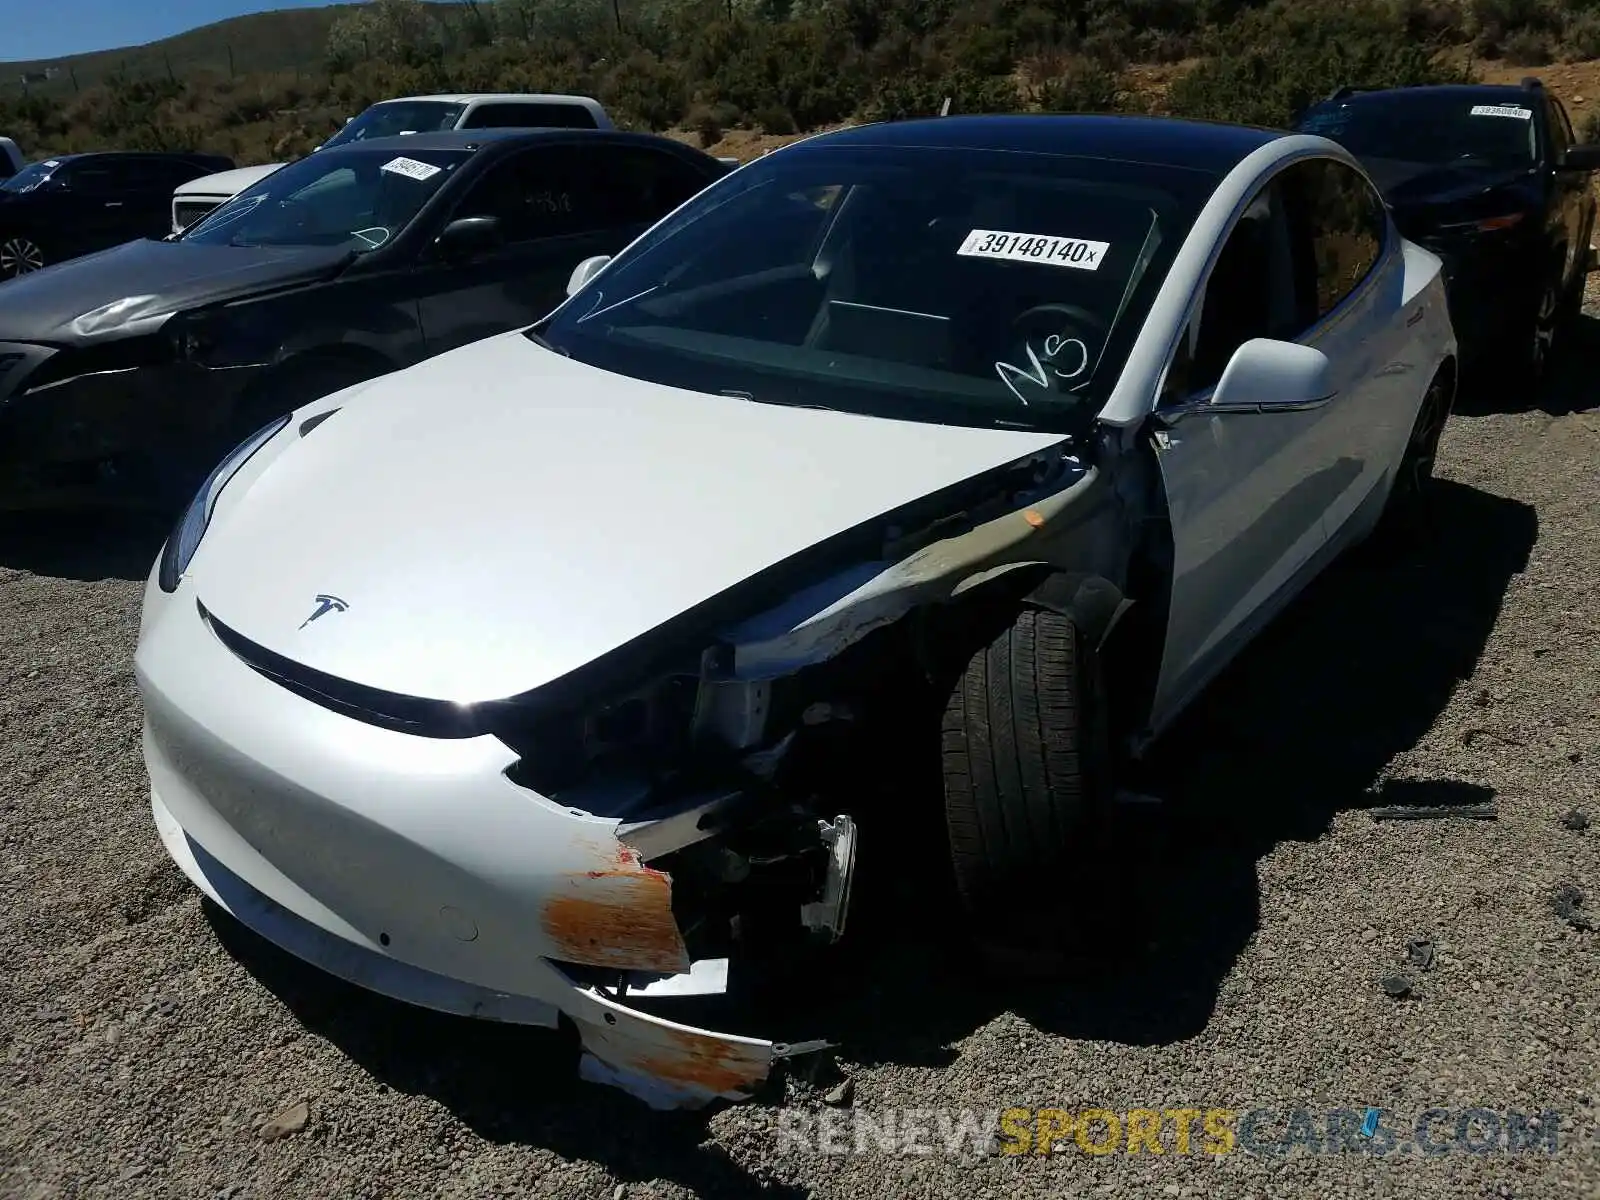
x=775, y=119
x=907, y=96
x=1527, y=48
x=1269, y=64
x=1589, y=127
x=644, y=91
x=1580, y=40
x=1081, y=86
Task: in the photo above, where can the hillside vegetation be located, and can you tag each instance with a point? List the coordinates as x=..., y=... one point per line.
x=779, y=66
x=291, y=39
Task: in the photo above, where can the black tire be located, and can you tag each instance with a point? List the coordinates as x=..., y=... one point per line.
x=1406, y=510
x=1024, y=750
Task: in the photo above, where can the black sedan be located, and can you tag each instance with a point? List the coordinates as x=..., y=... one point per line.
x=78, y=203
x=123, y=375
x=1490, y=178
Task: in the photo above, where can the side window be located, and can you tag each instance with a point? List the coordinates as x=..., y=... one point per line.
x=644, y=185
x=164, y=174
x=1250, y=293
x=1560, y=128
x=524, y=115
x=94, y=178
x=540, y=194
x=1344, y=221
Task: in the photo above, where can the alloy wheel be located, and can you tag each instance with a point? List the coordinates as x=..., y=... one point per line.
x=1544, y=330
x=19, y=256
x=1423, y=448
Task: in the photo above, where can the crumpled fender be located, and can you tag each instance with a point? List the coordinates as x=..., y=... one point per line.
x=1093, y=603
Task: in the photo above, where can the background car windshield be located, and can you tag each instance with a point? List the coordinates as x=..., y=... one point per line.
x=356, y=198
x=30, y=177
x=951, y=285
x=1434, y=130
x=398, y=117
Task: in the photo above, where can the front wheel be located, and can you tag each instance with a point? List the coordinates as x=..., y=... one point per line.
x=1024, y=752
x=20, y=256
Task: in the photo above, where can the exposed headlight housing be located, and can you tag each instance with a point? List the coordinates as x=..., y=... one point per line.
x=191, y=527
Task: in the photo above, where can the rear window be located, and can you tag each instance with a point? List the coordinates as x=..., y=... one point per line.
x=506, y=115
x=1431, y=128
x=394, y=118
x=952, y=285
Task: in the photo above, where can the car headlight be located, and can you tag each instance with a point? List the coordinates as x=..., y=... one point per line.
x=191, y=527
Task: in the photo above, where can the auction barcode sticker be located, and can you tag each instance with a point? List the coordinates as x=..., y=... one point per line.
x=1516, y=112
x=411, y=168
x=1035, y=248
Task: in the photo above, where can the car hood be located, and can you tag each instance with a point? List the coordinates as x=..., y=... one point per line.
x=226, y=183
x=1413, y=185
x=500, y=516
x=154, y=278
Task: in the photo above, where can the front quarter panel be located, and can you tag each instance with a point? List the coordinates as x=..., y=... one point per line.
x=363, y=315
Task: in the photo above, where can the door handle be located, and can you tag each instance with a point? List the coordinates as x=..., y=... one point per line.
x=1415, y=317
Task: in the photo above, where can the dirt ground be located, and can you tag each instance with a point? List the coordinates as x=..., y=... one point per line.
x=147, y=1042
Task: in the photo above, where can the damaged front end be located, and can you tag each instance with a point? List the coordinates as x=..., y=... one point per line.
x=740, y=780
x=108, y=422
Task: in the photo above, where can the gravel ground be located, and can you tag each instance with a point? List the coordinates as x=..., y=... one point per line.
x=149, y=1044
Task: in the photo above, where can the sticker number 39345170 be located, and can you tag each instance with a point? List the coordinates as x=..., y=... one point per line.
x=1035, y=248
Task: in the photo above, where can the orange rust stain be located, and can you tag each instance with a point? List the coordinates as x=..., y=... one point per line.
x=619, y=918
x=1033, y=518
x=717, y=1066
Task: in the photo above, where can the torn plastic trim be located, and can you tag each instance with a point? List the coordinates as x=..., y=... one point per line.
x=820, y=621
x=668, y=1065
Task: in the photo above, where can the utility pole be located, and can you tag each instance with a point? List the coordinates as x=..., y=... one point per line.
x=616, y=7
x=232, y=74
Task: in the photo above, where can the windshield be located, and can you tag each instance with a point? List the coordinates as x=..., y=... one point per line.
x=1431, y=129
x=948, y=285
x=394, y=118
x=31, y=176
x=360, y=198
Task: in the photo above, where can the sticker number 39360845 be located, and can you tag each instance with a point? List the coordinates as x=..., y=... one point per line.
x=1035, y=248
x=410, y=168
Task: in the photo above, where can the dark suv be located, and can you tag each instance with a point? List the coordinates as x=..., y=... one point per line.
x=1490, y=178
x=78, y=203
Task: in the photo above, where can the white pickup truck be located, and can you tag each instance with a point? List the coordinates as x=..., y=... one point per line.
x=11, y=160
x=406, y=114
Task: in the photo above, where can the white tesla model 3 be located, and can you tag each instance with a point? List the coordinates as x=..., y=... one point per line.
x=535, y=681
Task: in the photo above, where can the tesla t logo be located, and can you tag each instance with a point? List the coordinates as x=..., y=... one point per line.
x=325, y=605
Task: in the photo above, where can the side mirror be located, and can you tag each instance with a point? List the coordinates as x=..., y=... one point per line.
x=585, y=271
x=469, y=237
x=1585, y=157
x=1266, y=376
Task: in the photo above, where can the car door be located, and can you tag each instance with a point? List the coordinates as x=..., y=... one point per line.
x=1246, y=492
x=1572, y=205
x=557, y=205
x=87, y=214
x=1358, y=309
